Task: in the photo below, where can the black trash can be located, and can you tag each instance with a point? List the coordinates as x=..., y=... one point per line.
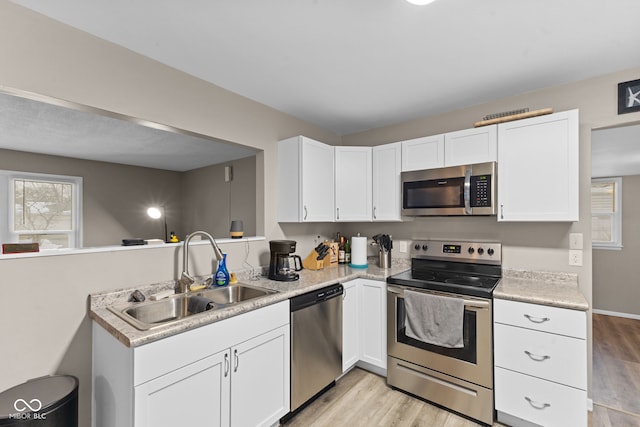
x=50, y=401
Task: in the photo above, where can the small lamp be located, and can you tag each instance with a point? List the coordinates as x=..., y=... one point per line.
x=237, y=229
x=157, y=213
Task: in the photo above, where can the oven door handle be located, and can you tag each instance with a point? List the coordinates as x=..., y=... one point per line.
x=467, y=303
x=467, y=191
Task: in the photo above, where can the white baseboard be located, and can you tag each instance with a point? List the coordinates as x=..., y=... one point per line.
x=617, y=314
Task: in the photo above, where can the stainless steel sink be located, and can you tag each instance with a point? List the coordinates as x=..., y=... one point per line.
x=234, y=294
x=153, y=314
x=147, y=315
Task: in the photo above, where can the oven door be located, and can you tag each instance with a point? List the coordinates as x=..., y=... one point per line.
x=472, y=363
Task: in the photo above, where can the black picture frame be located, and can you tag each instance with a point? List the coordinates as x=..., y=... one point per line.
x=629, y=96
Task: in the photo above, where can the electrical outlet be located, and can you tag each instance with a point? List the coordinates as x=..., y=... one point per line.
x=575, y=241
x=575, y=257
x=403, y=246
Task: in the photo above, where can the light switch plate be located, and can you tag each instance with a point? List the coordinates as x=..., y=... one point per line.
x=575, y=241
x=403, y=246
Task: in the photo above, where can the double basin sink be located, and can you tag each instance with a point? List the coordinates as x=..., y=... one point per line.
x=149, y=315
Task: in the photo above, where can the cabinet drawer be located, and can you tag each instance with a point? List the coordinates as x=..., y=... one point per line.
x=544, y=318
x=552, y=357
x=539, y=401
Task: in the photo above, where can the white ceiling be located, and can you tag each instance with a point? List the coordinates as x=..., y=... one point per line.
x=352, y=65
x=40, y=127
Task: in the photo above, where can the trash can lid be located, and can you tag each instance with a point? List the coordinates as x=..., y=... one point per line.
x=36, y=394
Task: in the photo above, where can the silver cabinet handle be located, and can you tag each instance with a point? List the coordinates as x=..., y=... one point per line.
x=226, y=364
x=337, y=213
x=536, y=319
x=535, y=404
x=374, y=213
x=537, y=357
x=501, y=211
x=237, y=360
x=305, y=213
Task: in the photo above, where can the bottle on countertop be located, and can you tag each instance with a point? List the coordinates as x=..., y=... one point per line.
x=222, y=276
x=347, y=252
x=341, y=252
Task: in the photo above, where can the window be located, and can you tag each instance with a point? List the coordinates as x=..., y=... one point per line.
x=44, y=209
x=606, y=213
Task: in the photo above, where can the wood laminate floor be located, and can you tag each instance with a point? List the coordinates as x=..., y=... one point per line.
x=616, y=371
x=361, y=398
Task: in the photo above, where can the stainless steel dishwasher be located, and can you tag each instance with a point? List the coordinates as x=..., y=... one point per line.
x=316, y=343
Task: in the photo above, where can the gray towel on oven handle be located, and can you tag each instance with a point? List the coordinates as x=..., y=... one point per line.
x=434, y=319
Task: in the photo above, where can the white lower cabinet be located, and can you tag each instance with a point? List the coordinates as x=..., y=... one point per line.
x=364, y=325
x=258, y=388
x=350, y=325
x=235, y=372
x=204, y=383
x=540, y=361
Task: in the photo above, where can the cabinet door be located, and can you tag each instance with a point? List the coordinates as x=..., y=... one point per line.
x=353, y=183
x=317, y=181
x=387, y=165
x=538, y=168
x=204, y=386
x=373, y=322
x=423, y=153
x=260, y=379
x=350, y=326
x=468, y=146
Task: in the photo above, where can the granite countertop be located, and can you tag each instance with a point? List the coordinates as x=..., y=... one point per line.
x=309, y=281
x=546, y=288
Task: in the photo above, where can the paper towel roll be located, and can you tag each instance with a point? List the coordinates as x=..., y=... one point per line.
x=358, y=252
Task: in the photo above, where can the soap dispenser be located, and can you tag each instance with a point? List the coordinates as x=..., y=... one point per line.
x=222, y=276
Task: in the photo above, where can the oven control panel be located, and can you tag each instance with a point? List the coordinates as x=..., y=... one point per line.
x=452, y=250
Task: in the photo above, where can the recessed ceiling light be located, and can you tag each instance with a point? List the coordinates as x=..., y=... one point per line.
x=420, y=2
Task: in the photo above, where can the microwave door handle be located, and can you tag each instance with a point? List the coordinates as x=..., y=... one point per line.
x=467, y=191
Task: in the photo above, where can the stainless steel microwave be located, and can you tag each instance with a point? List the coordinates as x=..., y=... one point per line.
x=455, y=190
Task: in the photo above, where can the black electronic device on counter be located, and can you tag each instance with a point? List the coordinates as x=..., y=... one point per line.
x=133, y=242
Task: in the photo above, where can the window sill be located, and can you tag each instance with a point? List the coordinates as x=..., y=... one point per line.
x=607, y=247
x=59, y=252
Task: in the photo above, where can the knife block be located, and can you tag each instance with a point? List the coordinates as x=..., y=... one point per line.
x=312, y=263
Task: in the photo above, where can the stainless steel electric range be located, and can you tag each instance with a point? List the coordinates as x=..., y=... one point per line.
x=460, y=379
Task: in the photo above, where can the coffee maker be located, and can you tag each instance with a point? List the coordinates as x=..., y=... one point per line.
x=283, y=265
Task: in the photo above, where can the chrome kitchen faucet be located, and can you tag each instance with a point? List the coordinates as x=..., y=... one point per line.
x=185, y=278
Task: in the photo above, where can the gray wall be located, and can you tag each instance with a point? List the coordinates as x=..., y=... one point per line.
x=210, y=203
x=52, y=333
x=616, y=284
x=115, y=196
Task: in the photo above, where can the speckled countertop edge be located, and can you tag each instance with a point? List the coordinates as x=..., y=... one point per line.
x=555, y=289
x=309, y=281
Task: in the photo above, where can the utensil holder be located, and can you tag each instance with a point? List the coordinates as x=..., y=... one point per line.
x=384, y=259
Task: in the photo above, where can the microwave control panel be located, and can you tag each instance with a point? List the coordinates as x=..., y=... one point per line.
x=480, y=191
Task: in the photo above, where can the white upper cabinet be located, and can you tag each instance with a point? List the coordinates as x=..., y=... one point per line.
x=468, y=146
x=353, y=183
x=387, y=165
x=305, y=181
x=423, y=153
x=538, y=168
